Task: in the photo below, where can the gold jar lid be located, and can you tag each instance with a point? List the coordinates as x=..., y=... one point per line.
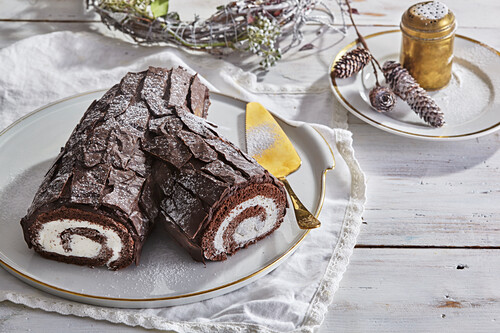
x=428, y=20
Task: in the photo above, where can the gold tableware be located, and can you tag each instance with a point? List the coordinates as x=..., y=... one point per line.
x=269, y=145
x=427, y=45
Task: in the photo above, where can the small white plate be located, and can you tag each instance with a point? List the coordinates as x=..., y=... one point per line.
x=166, y=274
x=470, y=102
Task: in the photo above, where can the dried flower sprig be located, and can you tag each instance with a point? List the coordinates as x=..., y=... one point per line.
x=263, y=40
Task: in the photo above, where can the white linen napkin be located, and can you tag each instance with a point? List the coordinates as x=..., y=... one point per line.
x=295, y=296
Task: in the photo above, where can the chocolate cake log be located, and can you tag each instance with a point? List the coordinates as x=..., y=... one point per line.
x=216, y=199
x=141, y=154
x=98, y=201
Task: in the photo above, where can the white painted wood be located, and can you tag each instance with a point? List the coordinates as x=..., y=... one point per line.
x=431, y=194
x=407, y=290
x=481, y=13
x=384, y=290
x=419, y=194
x=45, y=10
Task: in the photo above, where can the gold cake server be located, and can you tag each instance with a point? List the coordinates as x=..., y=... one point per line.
x=269, y=145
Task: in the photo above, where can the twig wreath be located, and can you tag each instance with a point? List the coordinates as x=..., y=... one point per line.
x=256, y=26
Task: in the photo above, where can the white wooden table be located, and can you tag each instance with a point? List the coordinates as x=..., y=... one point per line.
x=428, y=256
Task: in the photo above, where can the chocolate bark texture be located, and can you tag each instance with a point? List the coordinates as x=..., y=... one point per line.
x=215, y=198
x=143, y=153
x=97, y=203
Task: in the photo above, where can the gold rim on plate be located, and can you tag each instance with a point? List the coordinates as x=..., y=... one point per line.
x=115, y=299
x=351, y=108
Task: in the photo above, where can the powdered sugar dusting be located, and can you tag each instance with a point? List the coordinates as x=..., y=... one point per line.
x=164, y=266
x=471, y=90
x=434, y=10
x=18, y=194
x=260, y=138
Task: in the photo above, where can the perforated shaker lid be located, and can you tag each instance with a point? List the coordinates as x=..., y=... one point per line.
x=429, y=16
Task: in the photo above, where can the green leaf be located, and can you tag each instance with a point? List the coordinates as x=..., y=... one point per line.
x=173, y=16
x=159, y=8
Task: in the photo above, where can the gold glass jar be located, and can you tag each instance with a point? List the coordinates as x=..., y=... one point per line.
x=427, y=45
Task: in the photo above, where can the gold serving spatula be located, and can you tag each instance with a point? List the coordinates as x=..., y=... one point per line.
x=269, y=145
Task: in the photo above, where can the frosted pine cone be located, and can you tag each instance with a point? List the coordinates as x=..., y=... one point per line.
x=351, y=63
x=382, y=99
x=407, y=88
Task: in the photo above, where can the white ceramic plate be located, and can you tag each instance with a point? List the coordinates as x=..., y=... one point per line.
x=470, y=102
x=166, y=275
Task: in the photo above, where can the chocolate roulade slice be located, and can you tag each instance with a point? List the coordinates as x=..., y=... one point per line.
x=97, y=203
x=216, y=199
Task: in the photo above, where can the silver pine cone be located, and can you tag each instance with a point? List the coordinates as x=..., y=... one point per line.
x=382, y=99
x=351, y=63
x=407, y=88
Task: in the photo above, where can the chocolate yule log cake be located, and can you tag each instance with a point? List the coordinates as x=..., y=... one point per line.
x=216, y=199
x=140, y=154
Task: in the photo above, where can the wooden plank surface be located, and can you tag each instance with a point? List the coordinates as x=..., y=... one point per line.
x=469, y=14
x=483, y=13
x=423, y=290
x=428, y=253
x=46, y=10
x=424, y=193
x=384, y=290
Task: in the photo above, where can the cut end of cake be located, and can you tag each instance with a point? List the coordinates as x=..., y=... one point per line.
x=84, y=238
x=244, y=218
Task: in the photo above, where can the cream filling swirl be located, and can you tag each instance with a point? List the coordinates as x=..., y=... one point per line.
x=51, y=234
x=250, y=228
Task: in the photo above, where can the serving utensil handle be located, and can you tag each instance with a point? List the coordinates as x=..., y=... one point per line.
x=305, y=219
